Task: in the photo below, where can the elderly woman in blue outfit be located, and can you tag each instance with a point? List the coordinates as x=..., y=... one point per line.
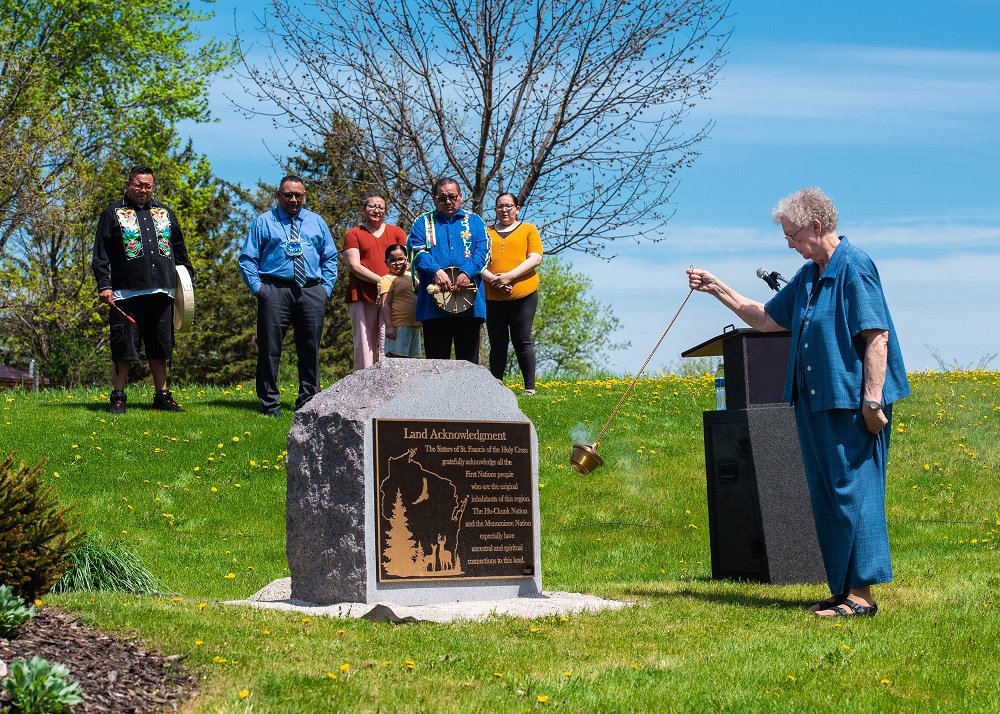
x=845, y=370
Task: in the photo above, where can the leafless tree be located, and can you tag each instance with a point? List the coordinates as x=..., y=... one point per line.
x=575, y=105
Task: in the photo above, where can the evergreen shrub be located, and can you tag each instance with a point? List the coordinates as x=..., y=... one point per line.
x=36, y=532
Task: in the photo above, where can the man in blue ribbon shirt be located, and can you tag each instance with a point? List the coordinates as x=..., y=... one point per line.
x=289, y=261
x=448, y=237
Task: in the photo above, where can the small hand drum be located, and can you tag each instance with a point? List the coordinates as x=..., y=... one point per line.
x=457, y=302
x=183, y=299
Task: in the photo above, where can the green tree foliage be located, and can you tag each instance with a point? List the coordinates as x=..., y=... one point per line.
x=88, y=89
x=219, y=347
x=36, y=532
x=98, y=82
x=572, y=331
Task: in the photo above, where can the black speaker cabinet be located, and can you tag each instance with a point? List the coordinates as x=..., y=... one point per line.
x=759, y=516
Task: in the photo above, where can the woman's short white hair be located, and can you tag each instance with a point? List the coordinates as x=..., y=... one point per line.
x=806, y=204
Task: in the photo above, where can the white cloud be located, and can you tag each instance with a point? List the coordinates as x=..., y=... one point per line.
x=863, y=94
x=938, y=302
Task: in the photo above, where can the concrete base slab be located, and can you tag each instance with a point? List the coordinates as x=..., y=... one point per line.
x=278, y=595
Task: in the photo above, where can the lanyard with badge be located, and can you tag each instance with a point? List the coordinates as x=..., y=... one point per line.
x=293, y=242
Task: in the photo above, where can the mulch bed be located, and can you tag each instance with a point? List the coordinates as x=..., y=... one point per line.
x=115, y=676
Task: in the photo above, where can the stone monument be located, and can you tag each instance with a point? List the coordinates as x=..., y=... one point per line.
x=413, y=482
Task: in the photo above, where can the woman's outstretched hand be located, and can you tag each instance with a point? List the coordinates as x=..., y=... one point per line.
x=700, y=280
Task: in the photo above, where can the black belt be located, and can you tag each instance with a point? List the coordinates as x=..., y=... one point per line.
x=271, y=280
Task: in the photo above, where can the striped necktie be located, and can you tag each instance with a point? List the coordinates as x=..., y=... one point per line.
x=298, y=261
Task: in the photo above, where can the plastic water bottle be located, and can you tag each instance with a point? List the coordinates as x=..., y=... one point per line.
x=720, y=387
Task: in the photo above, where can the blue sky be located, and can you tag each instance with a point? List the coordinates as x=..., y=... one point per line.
x=893, y=108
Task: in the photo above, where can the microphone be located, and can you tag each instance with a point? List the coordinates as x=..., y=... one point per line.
x=771, y=278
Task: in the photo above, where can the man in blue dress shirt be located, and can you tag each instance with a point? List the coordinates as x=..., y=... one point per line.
x=444, y=238
x=289, y=262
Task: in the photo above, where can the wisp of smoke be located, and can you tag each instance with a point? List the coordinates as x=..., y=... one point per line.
x=580, y=434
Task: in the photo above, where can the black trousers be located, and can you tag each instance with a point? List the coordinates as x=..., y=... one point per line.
x=441, y=332
x=510, y=321
x=281, y=303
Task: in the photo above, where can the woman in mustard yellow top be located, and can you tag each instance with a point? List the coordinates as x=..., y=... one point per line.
x=512, y=289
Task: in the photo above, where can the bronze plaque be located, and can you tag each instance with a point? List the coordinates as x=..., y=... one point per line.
x=454, y=500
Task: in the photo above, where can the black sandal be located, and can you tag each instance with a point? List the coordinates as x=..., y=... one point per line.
x=853, y=609
x=828, y=604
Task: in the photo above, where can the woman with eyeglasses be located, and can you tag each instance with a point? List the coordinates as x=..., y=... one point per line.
x=365, y=247
x=845, y=370
x=512, y=289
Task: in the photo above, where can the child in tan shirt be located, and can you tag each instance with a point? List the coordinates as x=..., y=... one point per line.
x=398, y=307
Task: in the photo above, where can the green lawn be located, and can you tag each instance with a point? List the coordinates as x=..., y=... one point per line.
x=199, y=497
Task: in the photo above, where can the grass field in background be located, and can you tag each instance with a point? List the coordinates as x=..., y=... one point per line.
x=199, y=497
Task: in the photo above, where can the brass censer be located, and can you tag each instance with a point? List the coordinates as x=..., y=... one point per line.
x=585, y=457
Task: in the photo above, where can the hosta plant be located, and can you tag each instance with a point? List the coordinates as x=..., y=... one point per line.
x=13, y=612
x=37, y=686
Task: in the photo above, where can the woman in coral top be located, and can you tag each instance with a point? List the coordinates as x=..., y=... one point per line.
x=365, y=247
x=512, y=289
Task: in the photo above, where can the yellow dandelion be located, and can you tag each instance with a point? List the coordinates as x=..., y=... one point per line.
x=305, y=619
x=542, y=698
x=845, y=647
x=56, y=474
x=265, y=632
x=567, y=674
x=244, y=693
x=885, y=681
x=498, y=675
x=790, y=677
x=235, y=439
x=214, y=489
x=534, y=629
x=344, y=667
x=218, y=446
x=197, y=468
x=230, y=576
x=331, y=675
x=202, y=605
x=199, y=643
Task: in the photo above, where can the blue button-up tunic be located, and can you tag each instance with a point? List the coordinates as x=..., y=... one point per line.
x=459, y=241
x=826, y=315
